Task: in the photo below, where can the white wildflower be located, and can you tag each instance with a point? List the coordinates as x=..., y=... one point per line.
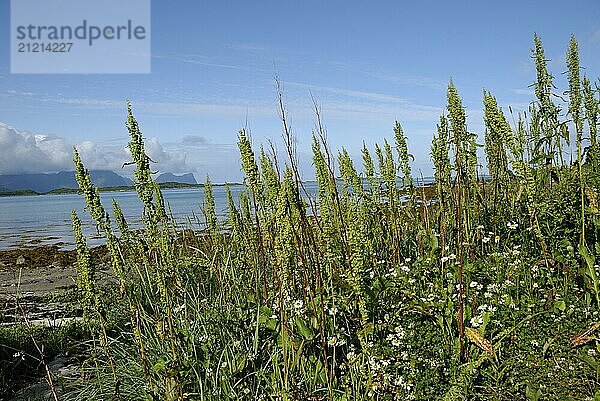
x=476, y=321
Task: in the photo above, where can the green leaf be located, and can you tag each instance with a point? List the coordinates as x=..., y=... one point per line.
x=532, y=394
x=159, y=366
x=304, y=329
x=240, y=362
x=486, y=320
x=265, y=314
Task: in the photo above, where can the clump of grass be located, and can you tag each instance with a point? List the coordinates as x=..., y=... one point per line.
x=368, y=292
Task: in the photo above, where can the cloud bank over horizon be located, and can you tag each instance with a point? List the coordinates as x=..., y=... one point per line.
x=25, y=152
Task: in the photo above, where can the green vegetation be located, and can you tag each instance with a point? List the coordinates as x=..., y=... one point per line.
x=20, y=357
x=487, y=290
x=24, y=192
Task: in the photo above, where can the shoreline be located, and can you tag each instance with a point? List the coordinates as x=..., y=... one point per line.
x=43, y=270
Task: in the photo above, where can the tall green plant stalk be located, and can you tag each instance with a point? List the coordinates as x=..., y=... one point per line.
x=592, y=105
x=93, y=308
x=403, y=156
x=575, y=100
x=547, y=112
x=496, y=136
x=160, y=244
x=253, y=176
x=440, y=148
x=457, y=119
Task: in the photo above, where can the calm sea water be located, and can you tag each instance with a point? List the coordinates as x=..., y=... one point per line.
x=46, y=219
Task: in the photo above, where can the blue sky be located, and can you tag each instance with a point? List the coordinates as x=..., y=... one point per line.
x=213, y=68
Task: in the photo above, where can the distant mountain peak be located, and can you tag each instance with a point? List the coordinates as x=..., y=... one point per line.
x=179, y=178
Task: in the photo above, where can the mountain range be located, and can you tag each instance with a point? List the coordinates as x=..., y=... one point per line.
x=45, y=182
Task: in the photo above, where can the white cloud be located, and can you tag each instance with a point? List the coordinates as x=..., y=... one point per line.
x=167, y=161
x=23, y=152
